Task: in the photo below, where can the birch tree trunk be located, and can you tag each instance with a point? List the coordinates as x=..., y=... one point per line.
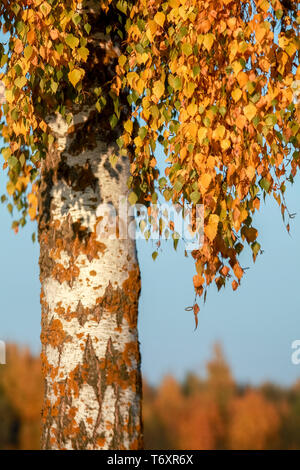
x=89, y=286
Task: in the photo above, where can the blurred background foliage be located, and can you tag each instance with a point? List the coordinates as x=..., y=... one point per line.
x=213, y=412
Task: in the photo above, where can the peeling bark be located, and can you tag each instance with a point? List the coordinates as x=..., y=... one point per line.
x=90, y=291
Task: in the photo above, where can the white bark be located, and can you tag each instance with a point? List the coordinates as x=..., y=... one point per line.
x=89, y=300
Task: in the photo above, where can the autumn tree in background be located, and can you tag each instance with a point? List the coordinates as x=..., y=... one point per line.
x=214, y=412
x=21, y=381
x=202, y=412
x=92, y=88
x=255, y=422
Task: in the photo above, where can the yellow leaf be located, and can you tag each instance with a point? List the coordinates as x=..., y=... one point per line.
x=152, y=26
x=140, y=86
x=128, y=126
x=75, y=76
x=264, y=5
x=236, y=67
x=132, y=77
x=204, y=181
x=28, y=52
x=174, y=3
x=219, y=132
x=250, y=111
x=250, y=172
x=198, y=159
x=159, y=18
x=192, y=129
x=45, y=8
x=122, y=60
x=142, y=58
x=291, y=48
x=138, y=141
x=202, y=132
x=236, y=94
x=283, y=42
x=225, y=144
x=20, y=82
x=208, y=41
x=211, y=228
x=192, y=109
x=10, y=188
x=189, y=89
x=9, y=96
x=149, y=35
x=158, y=89
x=83, y=52
x=183, y=153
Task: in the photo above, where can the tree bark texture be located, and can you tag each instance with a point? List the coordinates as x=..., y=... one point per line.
x=89, y=286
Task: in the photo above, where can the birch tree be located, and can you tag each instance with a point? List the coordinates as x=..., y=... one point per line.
x=91, y=88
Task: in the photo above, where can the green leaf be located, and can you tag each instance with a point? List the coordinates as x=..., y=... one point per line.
x=142, y=132
x=88, y=28
x=13, y=161
x=113, y=121
x=222, y=110
x=59, y=48
x=28, y=52
x=195, y=196
x=196, y=70
x=162, y=182
x=122, y=6
x=178, y=186
x=206, y=122
x=76, y=18
x=54, y=86
x=265, y=184
x=271, y=120
x=187, y=49
x=177, y=84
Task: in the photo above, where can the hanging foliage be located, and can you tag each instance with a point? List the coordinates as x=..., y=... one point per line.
x=213, y=82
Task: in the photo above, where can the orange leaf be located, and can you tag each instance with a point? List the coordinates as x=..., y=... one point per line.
x=224, y=270
x=241, y=121
x=19, y=46
x=196, y=311
x=31, y=36
x=242, y=79
x=198, y=280
x=238, y=271
x=211, y=228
